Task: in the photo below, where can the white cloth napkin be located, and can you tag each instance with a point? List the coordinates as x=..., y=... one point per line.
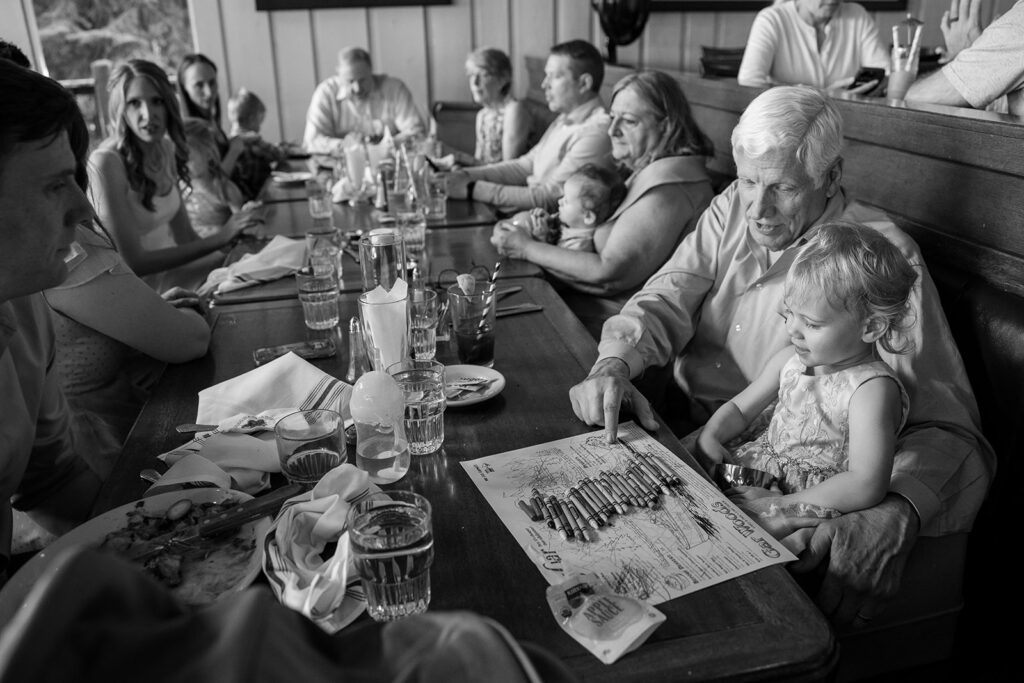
x=302, y=529
x=228, y=456
x=386, y=320
x=282, y=256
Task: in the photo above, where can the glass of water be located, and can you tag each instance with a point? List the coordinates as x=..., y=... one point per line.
x=422, y=384
x=413, y=225
x=392, y=545
x=437, y=197
x=423, y=309
x=309, y=445
x=318, y=293
x=321, y=207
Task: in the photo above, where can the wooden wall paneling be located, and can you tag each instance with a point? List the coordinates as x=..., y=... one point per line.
x=334, y=30
x=448, y=40
x=533, y=33
x=573, y=19
x=398, y=37
x=208, y=37
x=294, y=72
x=699, y=30
x=734, y=28
x=249, y=56
x=663, y=41
x=492, y=20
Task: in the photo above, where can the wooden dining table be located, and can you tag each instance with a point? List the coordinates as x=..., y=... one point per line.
x=758, y=626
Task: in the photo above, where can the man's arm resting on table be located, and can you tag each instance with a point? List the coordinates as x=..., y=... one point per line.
x=935, y=88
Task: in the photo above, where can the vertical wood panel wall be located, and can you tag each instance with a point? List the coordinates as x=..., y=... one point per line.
x=281, y=56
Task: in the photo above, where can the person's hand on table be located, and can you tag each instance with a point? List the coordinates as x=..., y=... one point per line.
x=961, y=26
x=598, y=399
x=511, y=239
x=866, y=552
x=457, y=182
x=179, y=297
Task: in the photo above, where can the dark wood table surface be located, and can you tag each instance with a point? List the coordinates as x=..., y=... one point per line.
x=760, y=626
x=448, y=252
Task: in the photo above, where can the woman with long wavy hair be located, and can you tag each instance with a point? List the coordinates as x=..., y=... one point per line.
x=137, y=176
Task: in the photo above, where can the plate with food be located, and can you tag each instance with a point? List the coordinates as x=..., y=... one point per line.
x=466, y=385
x=197, y=575
x=290, y=177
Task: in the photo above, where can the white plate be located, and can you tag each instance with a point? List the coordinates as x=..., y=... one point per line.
x=453, y=373
x=289, y=178
x=94, y=531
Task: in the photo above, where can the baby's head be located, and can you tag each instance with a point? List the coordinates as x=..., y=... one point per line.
x=589, y=196
x=859, y=273
x=203, y=155
x=246, y=112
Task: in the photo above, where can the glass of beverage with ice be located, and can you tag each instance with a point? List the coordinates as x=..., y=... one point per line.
x=423, y=311
x=309, y=445
x=422, y=385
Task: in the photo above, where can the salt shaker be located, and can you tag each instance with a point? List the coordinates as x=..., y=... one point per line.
x=357, y=364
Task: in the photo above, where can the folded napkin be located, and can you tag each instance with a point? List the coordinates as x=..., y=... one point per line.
x=386, y=323
x=232, y=455
x=303, y=528
x=282, y=256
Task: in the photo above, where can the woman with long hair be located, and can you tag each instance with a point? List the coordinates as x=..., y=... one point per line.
x=137, y=177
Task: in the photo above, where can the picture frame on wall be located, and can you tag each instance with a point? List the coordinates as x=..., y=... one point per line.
x=754, y=5
x=279, y=5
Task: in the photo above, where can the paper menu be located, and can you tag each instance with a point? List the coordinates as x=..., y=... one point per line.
x=689, y=542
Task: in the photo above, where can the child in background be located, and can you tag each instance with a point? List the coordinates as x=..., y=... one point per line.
x=832, y=437
x=246, y=113
x=589, y=197
x=214, y=199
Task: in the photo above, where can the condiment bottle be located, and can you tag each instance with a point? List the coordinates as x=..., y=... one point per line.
x=378, y=410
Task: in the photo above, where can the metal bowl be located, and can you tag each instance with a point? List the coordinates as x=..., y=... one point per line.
x=727, y=476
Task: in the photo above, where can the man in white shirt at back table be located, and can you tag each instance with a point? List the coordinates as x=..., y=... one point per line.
x=572, y=82
x=352, y=100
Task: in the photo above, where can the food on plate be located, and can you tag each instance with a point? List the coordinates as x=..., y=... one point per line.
x=199, y=571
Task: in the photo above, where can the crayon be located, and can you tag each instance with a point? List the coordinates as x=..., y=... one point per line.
x=658, y=480
x=528, y=509
x=602, y=504
x=644, y=477
x=638, y=498
x=609, y=496
x=584, y=507
x=548, y=517
x=645, y=491
x=538, y=502
x=578, y=525
x=672, y=477
x=563, y=513
x=553, y=511
x=621, y=494
x=595, y=505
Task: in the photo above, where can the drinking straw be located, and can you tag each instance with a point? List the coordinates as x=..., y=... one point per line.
x=491, y=285
x=915, y=45
x=896, y=48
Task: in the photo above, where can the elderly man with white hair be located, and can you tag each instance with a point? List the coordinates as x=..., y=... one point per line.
x=713, y=310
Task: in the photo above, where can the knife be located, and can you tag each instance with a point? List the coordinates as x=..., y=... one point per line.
x=229, y=519
x=502, y=311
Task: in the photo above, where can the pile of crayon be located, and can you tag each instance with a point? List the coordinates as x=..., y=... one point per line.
x=588, y=506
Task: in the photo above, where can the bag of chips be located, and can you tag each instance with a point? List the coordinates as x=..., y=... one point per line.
x=604, y=622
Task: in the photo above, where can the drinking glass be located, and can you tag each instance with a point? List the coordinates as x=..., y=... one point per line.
x=385, y=330
x=423, y=310
x=309, y=445
x=318, y=293
x=392, y=545
x=413, y=225
x=422, y=384
x=382, y=258
x=436, y=201
x=321, y=208
x=323, y=253
x=473, y=323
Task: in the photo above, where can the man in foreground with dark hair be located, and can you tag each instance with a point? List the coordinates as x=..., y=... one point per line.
x=572, y=81
x=43, y=146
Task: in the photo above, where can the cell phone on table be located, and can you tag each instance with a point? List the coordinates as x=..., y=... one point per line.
x=866, y=75
x=317, y=348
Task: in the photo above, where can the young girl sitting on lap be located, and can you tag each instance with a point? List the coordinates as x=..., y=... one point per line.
x=832, y=437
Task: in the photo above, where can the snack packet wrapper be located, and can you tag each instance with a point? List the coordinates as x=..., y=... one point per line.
x=606, y=623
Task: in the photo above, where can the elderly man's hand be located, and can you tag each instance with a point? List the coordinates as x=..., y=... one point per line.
x=961, y=26
x=597, y=399
x=457, y=182
x=866, y=552
x=511, y=239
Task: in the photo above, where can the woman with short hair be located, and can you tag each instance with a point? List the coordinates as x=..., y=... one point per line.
x=503, y=123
